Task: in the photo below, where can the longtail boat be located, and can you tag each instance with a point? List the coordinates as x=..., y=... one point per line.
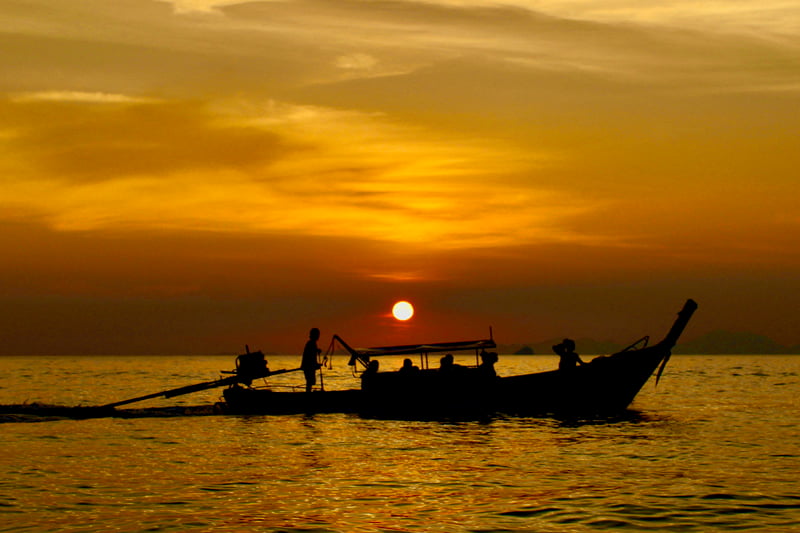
x=605, y=385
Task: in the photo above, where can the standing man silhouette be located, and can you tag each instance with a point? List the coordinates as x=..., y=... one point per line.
x=309, y=363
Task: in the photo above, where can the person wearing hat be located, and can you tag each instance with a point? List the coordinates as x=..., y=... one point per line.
x=568, y=358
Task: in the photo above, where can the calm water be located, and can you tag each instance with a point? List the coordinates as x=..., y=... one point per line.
x=715, y=447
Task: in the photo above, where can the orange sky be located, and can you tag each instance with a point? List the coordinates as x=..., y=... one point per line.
x=194, y=175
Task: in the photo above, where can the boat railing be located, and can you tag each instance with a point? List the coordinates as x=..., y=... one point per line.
x=635, y=346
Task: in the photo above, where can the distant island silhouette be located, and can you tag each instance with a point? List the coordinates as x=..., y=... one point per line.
x=713, y=343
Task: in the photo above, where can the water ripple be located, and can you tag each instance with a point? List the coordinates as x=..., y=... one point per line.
x=704, y=451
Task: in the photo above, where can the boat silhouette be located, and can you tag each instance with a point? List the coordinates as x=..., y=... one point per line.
x=605, y=385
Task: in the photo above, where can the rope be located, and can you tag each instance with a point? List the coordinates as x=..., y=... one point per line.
x=329, y=352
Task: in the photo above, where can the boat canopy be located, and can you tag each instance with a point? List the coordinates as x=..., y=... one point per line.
x=364, y=354
x=427, y=348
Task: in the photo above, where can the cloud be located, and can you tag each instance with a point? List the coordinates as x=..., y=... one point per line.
x=78, y=96
x=202, y=6
x=81, y=137
x=357, y=61
x=386, y=120
x=275, y=47
x=274, y=168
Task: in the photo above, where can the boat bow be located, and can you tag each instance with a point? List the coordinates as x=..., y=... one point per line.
x=669, y=342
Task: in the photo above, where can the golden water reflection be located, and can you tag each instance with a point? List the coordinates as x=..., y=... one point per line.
x=694, y=456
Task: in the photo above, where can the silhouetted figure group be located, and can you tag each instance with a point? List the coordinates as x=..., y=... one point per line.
x=568, y=361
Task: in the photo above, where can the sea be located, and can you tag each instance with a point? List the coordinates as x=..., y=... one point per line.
x=715, y=446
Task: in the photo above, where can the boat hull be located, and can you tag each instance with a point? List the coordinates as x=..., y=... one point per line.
x=603, y=386
x=606, y=385
x=245, y=400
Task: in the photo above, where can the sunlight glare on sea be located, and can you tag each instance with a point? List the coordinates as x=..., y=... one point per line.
x=713, y=447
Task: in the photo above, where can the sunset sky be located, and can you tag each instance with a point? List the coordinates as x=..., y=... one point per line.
x=189, y=176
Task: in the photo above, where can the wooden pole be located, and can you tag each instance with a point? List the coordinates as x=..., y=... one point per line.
x=197, y=387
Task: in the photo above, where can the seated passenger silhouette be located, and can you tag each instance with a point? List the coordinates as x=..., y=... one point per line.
x=486, y=368
x=408, y=367
x=568, y=358
x=372, y=368
x=446, y=363
x=367, y=377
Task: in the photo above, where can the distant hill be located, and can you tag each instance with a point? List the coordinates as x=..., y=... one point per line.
x=714, y=343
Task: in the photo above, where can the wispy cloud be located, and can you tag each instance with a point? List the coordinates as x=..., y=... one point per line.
x=298, y=170
x=387, y=120
x=79, y=97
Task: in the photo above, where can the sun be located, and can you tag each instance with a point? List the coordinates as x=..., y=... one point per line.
x=403, y=311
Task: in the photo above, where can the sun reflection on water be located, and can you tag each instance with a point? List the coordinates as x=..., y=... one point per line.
x=692, y=456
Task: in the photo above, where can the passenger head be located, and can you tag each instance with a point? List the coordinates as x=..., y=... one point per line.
x=488, y=357
x=314, y=334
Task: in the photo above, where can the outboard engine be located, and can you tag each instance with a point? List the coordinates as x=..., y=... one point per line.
x=251, y=365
